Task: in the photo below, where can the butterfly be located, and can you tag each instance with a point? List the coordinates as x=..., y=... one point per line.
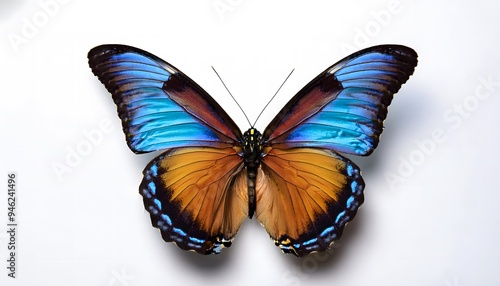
x=292, y=177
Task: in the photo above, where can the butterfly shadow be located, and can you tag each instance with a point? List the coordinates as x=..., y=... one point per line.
x=401, y=120
x=329, y=260
x=206, y=264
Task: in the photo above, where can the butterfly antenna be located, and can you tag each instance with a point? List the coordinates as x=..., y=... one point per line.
x=232, y=96
x=273, y=97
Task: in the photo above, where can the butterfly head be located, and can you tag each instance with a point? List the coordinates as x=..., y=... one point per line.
x=252, y=147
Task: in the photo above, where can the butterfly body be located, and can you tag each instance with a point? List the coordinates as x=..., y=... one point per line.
x=292, y=177
x=252, y=155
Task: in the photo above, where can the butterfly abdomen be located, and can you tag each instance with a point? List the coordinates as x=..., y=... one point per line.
x=251, y=178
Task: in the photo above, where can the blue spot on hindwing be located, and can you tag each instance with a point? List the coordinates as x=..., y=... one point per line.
x=154, y=170
x=166, y=219
x=339, y=216
x=179, y=231
x=349, y=202
x=152, y=188
x=197, y=240
x=354, y=186
x=157, y=203
x=311, y=241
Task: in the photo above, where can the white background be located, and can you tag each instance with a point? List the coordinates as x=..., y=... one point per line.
x=431, y=214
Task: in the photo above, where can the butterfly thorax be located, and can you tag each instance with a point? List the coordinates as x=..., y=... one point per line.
x=252, y=149
x=252, y=154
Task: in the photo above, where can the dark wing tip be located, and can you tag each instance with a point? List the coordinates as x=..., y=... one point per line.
x=98, y=53
x=404, y=54
x=109, y=48
x=393, y=49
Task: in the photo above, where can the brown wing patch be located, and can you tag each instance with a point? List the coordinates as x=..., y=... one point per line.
x=305, y=196
x=192, y=197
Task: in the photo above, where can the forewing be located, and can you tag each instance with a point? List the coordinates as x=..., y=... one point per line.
x=193, y=199
x=306, y=196
x=160, y=107
x=344, y=107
